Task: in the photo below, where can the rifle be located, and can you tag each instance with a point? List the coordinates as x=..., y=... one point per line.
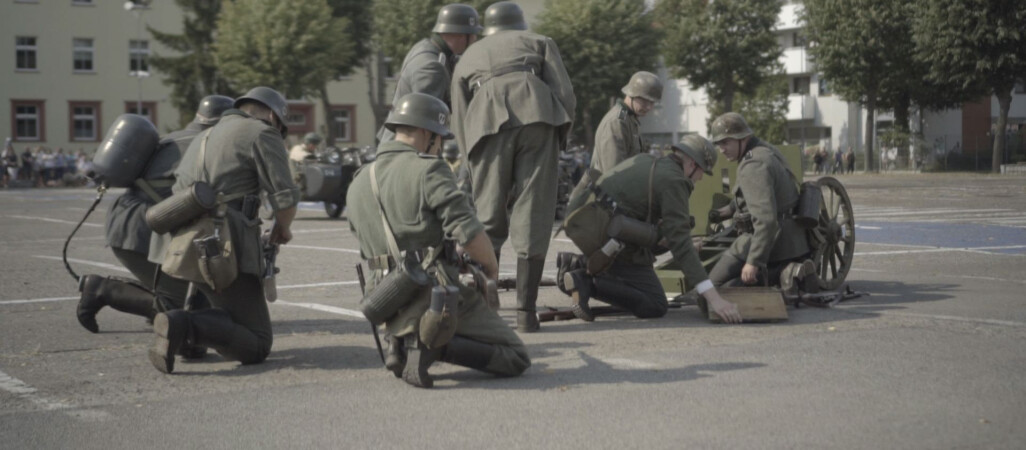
x=270, y=255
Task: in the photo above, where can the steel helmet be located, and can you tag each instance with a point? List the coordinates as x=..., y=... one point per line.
x=451, y=151
x=271, y=99
x=645, y=85
x=503, y=16
x=457, y=18
x=420, y=111
x=312, y=138
x=211, y=107
x=730, y=125
x=700, y=150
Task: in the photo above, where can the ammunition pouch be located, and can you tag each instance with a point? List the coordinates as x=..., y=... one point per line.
x=202, y=252
x=181, y=208
x=438, y=324
x=806, y=212
x=401, y=285
x=586, y=226
x=217, y=262
x=743, y=223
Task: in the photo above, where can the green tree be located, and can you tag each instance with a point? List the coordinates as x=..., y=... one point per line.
x=602, y=42
x=192, y=73
x=978, y=45
x=723, y=46
x=290, y=45
x=765, y=110
x=861, y=46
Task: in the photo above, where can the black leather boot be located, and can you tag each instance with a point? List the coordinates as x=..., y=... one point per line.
x=567, y=262
x=172, y=329
x=468, y=353
x=395, y=356
x=120, y=294
x=579, y=284
x=418, y=359
x=529, y=273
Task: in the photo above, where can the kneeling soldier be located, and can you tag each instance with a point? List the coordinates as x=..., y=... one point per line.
x=629, y=281
x=406, y=203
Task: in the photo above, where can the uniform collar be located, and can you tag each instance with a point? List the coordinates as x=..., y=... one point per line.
x=627, y=108
x=439, y=43
x=752, y=143
x=394, y=147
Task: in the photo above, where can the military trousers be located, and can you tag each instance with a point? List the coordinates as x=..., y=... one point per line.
x=475, y=320
x=518, y=165
x=633, y=287
x=727, y=271
x=251, y=338
x=171, y=290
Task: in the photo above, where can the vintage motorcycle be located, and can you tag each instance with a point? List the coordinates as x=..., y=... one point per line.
x=325, y=177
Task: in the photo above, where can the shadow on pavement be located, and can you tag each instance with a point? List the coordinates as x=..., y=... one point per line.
x=887, y=295
x=336, y=357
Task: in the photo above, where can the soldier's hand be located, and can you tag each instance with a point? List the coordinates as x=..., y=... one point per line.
x=749, y=274
x=280, y=235
x=726, y=310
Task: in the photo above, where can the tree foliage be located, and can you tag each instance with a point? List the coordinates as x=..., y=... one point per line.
x=765, y=110
x=358, y=33
x=398, y=24
x=602, y=42
x=723, y=46
x=192, y=73
x=978, y=45
x=290, y=45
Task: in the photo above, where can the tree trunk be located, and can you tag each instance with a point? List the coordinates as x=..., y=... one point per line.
x=589, y=130
x=870, y=127
x=901, y=125
x=1004, y=97
x=727, y=101
x=374, y=65
x=329, y=137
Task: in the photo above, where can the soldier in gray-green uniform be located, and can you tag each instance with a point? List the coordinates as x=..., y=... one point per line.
x=422, y=206
x=428, y=66
x=129, y=237
x=767, y=191
x=513, y=106
x=243, y=155
x=653, y=189
x=618, y=136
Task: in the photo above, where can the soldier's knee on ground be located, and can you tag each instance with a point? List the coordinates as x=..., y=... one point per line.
x=650, y=310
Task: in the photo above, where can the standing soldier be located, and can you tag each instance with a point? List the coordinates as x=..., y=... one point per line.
x=414, y=193
x=300, y=152
x=428, y=66
x=765, y=195
x=129, y=237
x=618, y=136
x=514, y=106
x=241, y=156
x=655, y=190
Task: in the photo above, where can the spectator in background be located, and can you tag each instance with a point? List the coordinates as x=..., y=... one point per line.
x=850, y=156
x=9, y=164
x=817, y=161
x=83, y=167
x=838, y=162
x=45, y=162
x=60, y=162
x=27, y=165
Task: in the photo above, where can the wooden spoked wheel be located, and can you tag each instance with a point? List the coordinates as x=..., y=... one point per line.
x=835, y=235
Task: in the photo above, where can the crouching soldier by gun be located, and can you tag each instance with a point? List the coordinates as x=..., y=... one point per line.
x=128, y=235
x=401, y=209
x=627, y=211
x=219, y=250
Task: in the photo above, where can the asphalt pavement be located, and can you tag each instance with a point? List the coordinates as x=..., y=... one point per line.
x=933, y=358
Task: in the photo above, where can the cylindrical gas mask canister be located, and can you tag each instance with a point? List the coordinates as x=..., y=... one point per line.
x=632, y=231
x=394, y=291
x=181, y=208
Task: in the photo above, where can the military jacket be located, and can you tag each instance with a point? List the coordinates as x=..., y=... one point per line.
x=628, y=184
x=427, y=70
x=420, y=200
x=243, y=156
x=506, y=80
x=617, y=138
x=768, y=191
x=126, y=221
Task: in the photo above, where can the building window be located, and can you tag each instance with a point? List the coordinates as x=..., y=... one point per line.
x=800, y=85
x=83, y=54
x=25, y=53
x=824, y=87
x=798, y=39
x=301, y=118
x=149, y=110
x=138, y=56
x=84, y=121
x=28, y=119
x=342, y=123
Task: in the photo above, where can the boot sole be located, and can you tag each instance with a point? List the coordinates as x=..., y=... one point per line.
x=162, y=355
x=580, y=309
x=415, y=372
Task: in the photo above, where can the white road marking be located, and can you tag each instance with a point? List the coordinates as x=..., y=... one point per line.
x=33, y=241
x=867, y=227
x=332, y=283
x=47, y=219
x=319, y=230
x=927, y=212
x=1006, y=323
x=88, y=263
x=563, y=240
x=37, y=300
x=330, y=249
x=324, y=308
x=942, y=249
x=62, y=299
x=26, y=392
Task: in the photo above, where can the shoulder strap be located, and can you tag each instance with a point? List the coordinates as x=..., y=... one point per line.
x=222, y=199
x=393, y=247
x=651, y=188
x=148, y=188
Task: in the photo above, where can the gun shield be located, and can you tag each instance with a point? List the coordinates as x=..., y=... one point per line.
x=181, y=208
